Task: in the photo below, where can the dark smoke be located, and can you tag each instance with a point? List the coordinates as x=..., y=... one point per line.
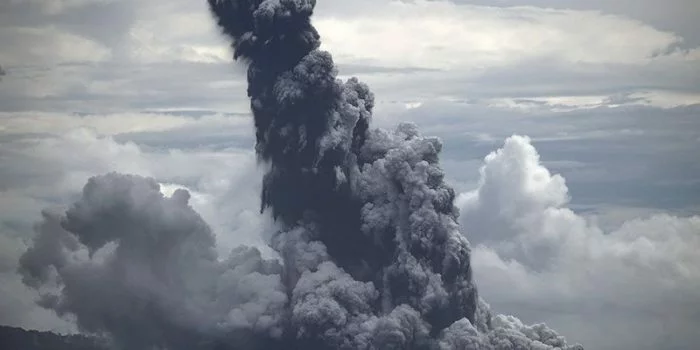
x=329, y=171
x=371, y=252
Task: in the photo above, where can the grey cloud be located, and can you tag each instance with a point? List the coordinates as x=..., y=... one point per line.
x=540, y=78
x=359, y=69
x=152, y=262
x=88, y=19
x=676, y=15
x=113, y=87
x=222, y=134
x=121, y=85
x=41, y=83
x=36, y=174
x=109, y=23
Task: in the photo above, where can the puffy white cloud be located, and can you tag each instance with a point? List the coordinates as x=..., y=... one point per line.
x=563, y=263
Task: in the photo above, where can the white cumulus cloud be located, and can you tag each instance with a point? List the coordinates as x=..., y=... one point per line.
x=525, y=236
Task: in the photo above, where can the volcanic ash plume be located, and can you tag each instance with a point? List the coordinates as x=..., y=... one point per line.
x=371, y=256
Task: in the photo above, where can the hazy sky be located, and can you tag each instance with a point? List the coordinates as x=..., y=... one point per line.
x=608, y=181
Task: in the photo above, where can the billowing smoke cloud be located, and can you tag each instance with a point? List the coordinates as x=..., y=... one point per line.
x=143, y=267
x=370, y=252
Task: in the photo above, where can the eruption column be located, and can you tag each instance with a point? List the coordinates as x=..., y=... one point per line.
x=376, y=200
x=371, y=252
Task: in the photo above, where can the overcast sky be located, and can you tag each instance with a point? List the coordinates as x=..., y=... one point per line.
x=607, y=183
